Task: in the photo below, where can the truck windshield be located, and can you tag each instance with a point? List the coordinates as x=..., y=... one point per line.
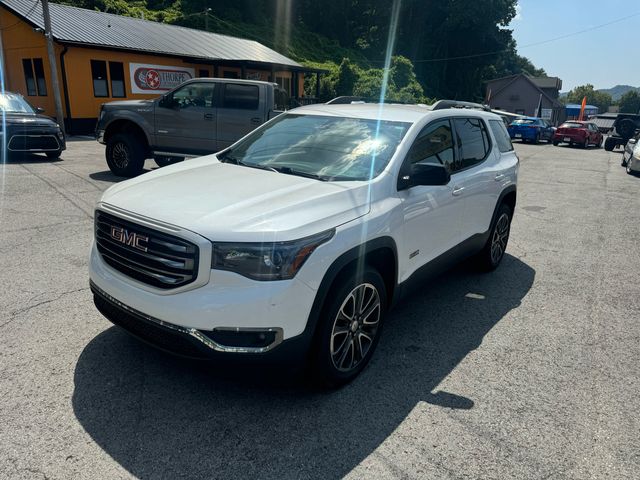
x=322, y=147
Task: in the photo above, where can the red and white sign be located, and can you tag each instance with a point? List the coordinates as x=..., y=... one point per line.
x=157, y=78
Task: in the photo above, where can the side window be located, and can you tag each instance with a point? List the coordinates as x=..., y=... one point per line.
x=434, y=144
x=244, y=97
x=502, y=136
x=194, y=95
x=99, y=75
x=472, y=140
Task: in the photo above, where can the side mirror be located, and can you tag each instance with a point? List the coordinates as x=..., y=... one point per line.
x=632, y=141
x=39, y=110
x=426, y=175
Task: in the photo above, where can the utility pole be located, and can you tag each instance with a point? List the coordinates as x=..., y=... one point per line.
x=52, y=63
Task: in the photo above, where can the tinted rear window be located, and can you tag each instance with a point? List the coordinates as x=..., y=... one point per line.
x=245, y=97
x=502, y=136
x=473, y=141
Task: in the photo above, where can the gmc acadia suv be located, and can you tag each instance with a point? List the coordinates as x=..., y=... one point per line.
x=296, y=240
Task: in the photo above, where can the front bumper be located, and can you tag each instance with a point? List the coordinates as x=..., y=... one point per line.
x=33, y=140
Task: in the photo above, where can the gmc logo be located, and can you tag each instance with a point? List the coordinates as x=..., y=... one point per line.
x=131, y=239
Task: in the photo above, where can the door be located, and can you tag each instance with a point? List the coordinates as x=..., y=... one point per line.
x=432, y=214
x=242, y=109
x=185, y=119
x=478, y=181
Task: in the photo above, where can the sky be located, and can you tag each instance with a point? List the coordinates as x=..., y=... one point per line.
x=603, y=56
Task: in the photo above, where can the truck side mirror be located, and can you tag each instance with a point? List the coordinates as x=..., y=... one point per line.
x=39, y=110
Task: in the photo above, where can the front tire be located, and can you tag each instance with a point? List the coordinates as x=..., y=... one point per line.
x=492, y=254
x=54, y=155
x=351, y=324
x=125, y=155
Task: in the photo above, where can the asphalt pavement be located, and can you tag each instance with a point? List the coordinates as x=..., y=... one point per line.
x=528, y=372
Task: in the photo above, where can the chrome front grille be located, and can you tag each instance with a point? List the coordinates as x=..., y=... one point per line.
x=147, y=255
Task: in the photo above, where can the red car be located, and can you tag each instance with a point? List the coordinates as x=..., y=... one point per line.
x=575, y=132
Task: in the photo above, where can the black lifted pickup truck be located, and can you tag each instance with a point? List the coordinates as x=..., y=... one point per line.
x=626, y=126
x=199, y=117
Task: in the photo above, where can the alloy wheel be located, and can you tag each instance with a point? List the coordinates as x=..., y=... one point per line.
x=500, y=238
x=355, y=327
x=120, y=155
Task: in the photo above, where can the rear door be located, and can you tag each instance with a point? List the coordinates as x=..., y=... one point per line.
x=242, y=109
x=185, y=119
x=479, y=176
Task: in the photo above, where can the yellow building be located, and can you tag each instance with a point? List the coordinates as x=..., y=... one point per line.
x=103, y=57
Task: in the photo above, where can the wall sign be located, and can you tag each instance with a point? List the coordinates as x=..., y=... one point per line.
x=547, y=113
x=157, y=78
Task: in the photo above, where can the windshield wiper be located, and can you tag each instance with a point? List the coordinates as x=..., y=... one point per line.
x=226, y=158
x=299, y=173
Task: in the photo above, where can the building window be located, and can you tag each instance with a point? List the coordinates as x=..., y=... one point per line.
x=99, y=75
x=229, y=74
x=116, y=75
x=285, y=83
x=36, y=84
x=203, y=73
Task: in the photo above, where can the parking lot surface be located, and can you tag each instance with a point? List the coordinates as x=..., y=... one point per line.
x=528, y=372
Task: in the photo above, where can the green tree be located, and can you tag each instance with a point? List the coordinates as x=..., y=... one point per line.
x=599, y=99
x=630, y=102
x=347, y=77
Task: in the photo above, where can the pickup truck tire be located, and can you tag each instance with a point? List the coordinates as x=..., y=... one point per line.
x=125, y=155
x=163, y=161
x=609, y=144
x=349, y=328
x=493, y=252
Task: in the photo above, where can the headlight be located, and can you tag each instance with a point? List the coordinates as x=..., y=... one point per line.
x=267, y=261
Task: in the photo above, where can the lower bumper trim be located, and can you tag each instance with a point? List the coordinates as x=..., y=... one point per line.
x=183, y=341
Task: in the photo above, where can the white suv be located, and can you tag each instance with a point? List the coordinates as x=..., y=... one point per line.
x=296, y=240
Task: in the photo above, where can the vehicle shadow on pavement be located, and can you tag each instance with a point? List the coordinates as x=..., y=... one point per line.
x=106, y=176
x=159, y=416
x=31, y=158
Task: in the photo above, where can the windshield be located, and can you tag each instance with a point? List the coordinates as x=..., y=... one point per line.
x=523, y=121
x=326, y=148
x=12, y=103
x=572, y=125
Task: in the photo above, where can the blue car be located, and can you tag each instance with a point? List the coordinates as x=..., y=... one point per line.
x=531, y=129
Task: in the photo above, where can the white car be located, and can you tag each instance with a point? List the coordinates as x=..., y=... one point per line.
x=631, y=156
x=294, y=242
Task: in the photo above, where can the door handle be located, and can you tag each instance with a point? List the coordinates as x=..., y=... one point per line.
x=208, y=116
x=499, y=177
x=457, y=191
x=256, y=120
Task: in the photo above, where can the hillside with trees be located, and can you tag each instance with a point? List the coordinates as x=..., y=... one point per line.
x=443, y=48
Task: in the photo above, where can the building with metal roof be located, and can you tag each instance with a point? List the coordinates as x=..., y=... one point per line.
x=102, y=56
x=522, y=94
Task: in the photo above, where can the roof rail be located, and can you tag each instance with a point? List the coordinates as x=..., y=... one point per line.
x=347, y=99
x=442, y=104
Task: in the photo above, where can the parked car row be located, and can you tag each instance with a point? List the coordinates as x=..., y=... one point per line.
x=535, y=130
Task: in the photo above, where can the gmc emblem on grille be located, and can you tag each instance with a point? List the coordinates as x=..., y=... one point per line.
x=131, y=239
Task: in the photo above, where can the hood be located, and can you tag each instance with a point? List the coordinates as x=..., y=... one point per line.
x=225, y=202
x=27, y=120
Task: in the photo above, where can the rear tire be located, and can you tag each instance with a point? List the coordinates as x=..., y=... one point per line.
x=163, y=161
x=125, y=155
x=609, y=144
x=555, y=144
x=536, y=140
x=586, y=143
x=349, y=329
x=491, y=255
